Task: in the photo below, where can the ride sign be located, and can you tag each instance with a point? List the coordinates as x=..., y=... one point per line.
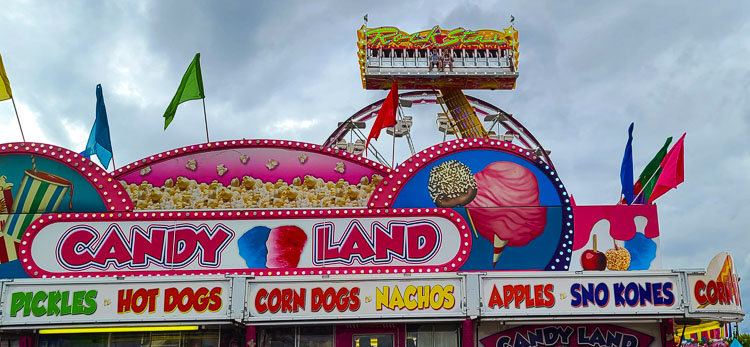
x=390, y=37
x=341, y=299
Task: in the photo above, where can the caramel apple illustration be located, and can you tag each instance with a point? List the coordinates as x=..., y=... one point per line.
x=592, y=259
x=618, y=259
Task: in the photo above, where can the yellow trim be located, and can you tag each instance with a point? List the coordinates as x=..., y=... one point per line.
x=117, y=329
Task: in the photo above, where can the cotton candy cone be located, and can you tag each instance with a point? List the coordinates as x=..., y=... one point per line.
x=499, y=245
x=506, y=206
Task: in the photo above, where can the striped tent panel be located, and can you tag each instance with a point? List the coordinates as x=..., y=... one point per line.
x=713, y=334
x=728, y=330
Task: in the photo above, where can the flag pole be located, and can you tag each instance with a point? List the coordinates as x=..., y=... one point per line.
x=13, y=100
x=205, y=119
x=113, y=161
x=18, y=119
x=393, y=148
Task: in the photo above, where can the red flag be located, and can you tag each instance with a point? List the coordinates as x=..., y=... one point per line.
x=673, y=170
x=386, y=115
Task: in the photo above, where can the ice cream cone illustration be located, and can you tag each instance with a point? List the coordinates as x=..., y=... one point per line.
x=506, y=207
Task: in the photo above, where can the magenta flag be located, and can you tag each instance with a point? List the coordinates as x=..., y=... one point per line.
x=673, y=170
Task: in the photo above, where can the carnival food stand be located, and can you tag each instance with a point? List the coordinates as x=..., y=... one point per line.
x=472, y=241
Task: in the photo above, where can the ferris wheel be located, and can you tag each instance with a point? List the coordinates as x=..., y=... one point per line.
x=350, y=133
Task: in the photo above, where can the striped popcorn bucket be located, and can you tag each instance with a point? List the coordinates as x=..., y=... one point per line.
x=39, y=193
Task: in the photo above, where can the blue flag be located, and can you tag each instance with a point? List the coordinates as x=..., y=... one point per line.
x=99, y=142
x=626, y=170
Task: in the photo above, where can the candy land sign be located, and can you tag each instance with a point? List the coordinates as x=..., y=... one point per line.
x=373, y=298
x=589, y=335
x=574, y=295
x=716, y=290
x=292, y=242
x=64, y=302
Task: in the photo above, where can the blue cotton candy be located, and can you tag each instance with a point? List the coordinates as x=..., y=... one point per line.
x=642, y=252
x=252, y=246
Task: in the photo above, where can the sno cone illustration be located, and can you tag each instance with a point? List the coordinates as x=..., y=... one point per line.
x=39, y=193
x=272, y=248
x=506, y=208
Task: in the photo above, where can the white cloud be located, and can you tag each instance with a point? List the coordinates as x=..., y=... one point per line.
x=78, y=134
x=30, y=122
x=289, y=126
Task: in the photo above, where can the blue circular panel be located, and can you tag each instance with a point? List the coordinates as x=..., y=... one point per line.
x=549, y=249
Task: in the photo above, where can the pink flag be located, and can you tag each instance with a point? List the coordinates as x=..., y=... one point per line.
x=673, y=170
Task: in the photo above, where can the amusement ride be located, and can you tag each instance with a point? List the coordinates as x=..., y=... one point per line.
x=481, y=60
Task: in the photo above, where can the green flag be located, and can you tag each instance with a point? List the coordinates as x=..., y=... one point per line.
x=191, y=88
x=650, y=174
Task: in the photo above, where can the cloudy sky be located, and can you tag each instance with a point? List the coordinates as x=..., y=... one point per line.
x=288, y=70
